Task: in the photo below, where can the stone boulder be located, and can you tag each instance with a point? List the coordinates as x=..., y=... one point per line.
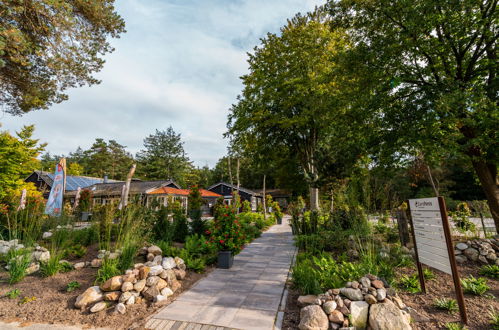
x=156, y=250
x=313, y=318
x=359, y=311
x=100, y=306
x=168, y=263
x=387, y=316
x=308, y=300
x=352, y=294
x=90, y=296
x=472, y=254
x=329, y=307
x=112, y=284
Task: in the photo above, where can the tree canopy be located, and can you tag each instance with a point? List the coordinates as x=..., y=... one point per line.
x=49, y=46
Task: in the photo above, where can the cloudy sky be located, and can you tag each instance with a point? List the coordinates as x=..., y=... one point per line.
x=178, y=64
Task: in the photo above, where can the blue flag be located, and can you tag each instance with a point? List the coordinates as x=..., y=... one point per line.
x=54, y=203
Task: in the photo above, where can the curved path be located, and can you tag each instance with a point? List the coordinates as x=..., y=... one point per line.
x=247, y=296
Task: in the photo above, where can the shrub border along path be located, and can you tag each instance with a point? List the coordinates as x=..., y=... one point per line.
x=247, y=296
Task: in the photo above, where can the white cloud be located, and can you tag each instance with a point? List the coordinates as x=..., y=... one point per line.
x=178, y=64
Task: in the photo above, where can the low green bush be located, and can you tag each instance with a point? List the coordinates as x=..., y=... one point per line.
x=72, y=286
x=75, y=251
x=51, y=266
x=491, y=271
x=304, y=279
x=409, y=283
x=494, y=319
x=108, y=269
x=428, y=274
x=13, y=294
x=18, y=262
x=65, y=266
x=455, y=326
x=476, y=286
x=125, y=261
x=449, y=305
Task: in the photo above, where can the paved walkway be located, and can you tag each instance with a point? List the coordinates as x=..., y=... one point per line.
x=247, y=296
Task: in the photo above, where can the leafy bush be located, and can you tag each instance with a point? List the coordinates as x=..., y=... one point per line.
x=125, y=260
x=180, y=226
x=455, y=326
x=196, y=245
x=108, y=269
x=428, y=274
x=196, y=264
x=494, y=319
x=461, y=218
x=491, y=271
x=163, y=228
x=75, y=251
x=51, y=266
x=86, y=236
x=65, y=266
x=449, y=305
x=246, y=206
x=72, y=286
x=13, y=294
x=409, y=283
x=304, y=278
x=18, y=262
x=476, y=286
x=226, y=232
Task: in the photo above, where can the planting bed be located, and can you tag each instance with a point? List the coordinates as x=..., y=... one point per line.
x=54, y=305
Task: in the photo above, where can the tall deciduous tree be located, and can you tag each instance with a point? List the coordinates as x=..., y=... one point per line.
x=48, y=46
x=291, y=95
x=18, y=158
x=163, y=157
x=430, y=77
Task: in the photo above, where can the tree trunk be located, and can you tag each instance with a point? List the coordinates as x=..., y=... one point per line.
x=487, y=175
x=331, y=208
x=264, y=204
x=432, y=182
x=237, y=175
x=314, y=199
x=230, y=172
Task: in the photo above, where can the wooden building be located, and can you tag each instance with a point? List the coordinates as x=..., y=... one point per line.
x=226, y=190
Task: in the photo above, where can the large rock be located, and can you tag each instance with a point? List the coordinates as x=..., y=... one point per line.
x=32, y=268
x=308, y=300
x=161, y=284
x=41, y=256
x=156, y=250
x=168, y=263
x=125, y=296
x=152, y=280
x=140, y=285
x=180, y=273
x=112, y=296
x=155, y=270
x=329, y=307
x=313, y=318
x=461, y=246
x=150, y=293
x=166, y=292
x=460, y=259
x=352, y=294
x=387, y=316
x=112, y=284
x=471, y=253
x=143, y=272
x=100, y=306
x=175, y=285
x=358, y=314
x=90, y=296
x=96, y=263
x=127, y=286
x=120, y=308
x=336, y=317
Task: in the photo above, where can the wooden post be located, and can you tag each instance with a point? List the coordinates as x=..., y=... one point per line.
x=452, y=259
x=418, y=264
x=264, y=203
x=403, y=227
x=127, y=186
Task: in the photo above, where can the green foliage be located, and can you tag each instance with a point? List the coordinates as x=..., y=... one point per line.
x=104, y=217
x=409, y=283
x=455, y=326
x=181, y=228
x=476, y=286
x=195, y=203
x=163, y=228
x=461, y=220
x=108, y=269
x=65, y=266
x=163, y=157
x=86, y=236
x=449, y=305
x=494, y=318
x=48, y=57
x=75, y=251
x=51, y=266
x=428, y=274
x=125, y=261
x=491, y=271
x=246, y=206
x=13, y=294
x=304, y=278
x=72, y=286
x=226, y=233
x=18, y=262
x=196, y=264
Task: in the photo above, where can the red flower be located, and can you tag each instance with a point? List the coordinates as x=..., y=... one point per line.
x=208, y=232
x=222, y=241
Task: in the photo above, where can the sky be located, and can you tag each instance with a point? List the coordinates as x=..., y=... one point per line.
x=178, y=65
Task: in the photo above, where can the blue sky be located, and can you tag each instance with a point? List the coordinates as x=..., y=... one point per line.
x=178, y=64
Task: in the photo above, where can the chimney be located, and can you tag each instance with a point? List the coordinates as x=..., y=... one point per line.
x=105, y=178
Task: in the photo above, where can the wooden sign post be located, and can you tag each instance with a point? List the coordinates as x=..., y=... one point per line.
x=433, y=242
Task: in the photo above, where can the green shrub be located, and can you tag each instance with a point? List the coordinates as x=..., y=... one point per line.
x=125, y=261
x=476, y=286
x=13, y=294
x=196, y=245
x=51, y=266
x=409, y=283
x=304, y=278
x=332, y=274
x=246, y=206
x=86, y=236
x=163, y=228
x=75, y=251
x=72, y=286
x=180, y=227
x=65, y=266
x=18, y=262
x=108, y=269
x=494, y=319
x=428, y=274
x=449, y=305
x=491, y=271
x=455, y=326
x=196, y=264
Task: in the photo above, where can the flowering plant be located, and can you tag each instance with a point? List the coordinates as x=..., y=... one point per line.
x=226, y=233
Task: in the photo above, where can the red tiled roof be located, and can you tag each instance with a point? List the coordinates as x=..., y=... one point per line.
x=181, y=192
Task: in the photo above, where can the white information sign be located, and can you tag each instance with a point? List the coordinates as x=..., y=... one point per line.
x=429, y=233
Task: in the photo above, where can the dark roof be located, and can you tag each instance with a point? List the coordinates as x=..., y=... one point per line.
x=136, y=187
x=72, y=181
x=275, y=192
x=234, y=188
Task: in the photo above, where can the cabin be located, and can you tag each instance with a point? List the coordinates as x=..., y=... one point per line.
x=281, y=196
x=43, y=181
x=226, y=189
x=164, y=193
x=110, y=192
